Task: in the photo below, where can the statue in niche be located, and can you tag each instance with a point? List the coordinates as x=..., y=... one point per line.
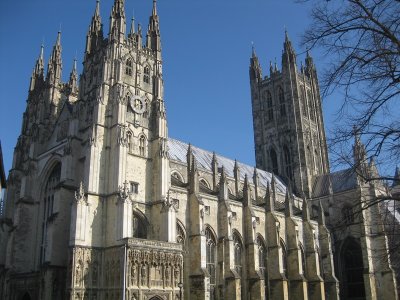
x=177, y=276
x=78, y=274
x=144, y=274
x=167, y=275
x=133, y=274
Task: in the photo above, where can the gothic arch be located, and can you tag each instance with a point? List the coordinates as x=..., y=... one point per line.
x=282, y=104
x=352, y=269
x=177, y=175
x=211, y=258
x=141, y=228
x=273, y=158
x=49, y=166
x=204, y=182
x=142, y=144
x=180, y=233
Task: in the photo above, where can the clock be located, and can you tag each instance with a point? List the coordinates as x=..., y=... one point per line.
x=137, y=104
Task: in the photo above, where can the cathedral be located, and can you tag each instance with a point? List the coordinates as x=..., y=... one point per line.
x=102, y=204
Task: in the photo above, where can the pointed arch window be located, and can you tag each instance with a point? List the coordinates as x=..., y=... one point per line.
x=311, y=106
x=282, y=104
x=211, y=255
x=269, y=108
x=180, y=235
x=129, y=67
x=129, y=142
x=352, y=270
x=146, y=76
x=274, y=160
x=238, y=249
x=142, y=145
x=50, y=189
x=317, y=162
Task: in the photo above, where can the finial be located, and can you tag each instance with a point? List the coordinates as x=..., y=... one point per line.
x=253, y=50
x=154, y=7
x=97, y=11
x=59, y=36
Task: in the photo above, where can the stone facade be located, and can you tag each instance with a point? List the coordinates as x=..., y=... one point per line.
x=102, y=204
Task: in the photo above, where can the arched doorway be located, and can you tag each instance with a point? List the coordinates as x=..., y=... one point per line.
x=352, y=271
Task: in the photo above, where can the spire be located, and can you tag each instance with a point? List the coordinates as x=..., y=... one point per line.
x=117, y=21
x=269, y=200
x=236, y=174
x=255, y=70
x=38, y=71
x=95, y=32
x=288, y=56
x=360, y=154
x=153, y=40
x=55, y=63
x=73, y=78
x=132, y=31
x=288, y=202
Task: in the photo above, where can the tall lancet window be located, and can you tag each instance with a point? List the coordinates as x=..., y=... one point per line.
x=146, y=76
x=270, y=111
x=48, y=205
x=128, y=67
x=211, y=258
x=274, y=161
x=282, y=104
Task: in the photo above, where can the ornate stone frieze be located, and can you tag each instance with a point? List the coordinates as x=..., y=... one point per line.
x=80, y=194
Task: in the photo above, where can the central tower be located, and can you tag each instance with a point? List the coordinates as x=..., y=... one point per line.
x=288, y=125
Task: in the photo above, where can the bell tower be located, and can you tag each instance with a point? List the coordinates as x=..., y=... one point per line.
x=289, y=133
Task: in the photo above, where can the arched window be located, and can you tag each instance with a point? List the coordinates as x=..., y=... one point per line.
x=269, y=111
x=139, y=229
x=180, y=235
x=129, y=142
x=282, y=105
x=352, y=270
x=288, y=162
x=142, y=144
x=304, y=102
x=146, y=76
x=203, y=182
x=48, y=205
x=211, y=255
x=238, y=249
x=284, y=259
x=274, y=161
x=128, y=67
x=177, y=176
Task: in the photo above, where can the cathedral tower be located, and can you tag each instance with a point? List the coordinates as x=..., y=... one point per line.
x=288, y=125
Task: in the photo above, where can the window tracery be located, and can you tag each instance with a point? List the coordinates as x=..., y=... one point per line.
x=128, y=67
x=146, y=75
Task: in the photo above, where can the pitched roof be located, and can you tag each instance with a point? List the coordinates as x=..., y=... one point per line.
x=341, y=181
x=178, y=151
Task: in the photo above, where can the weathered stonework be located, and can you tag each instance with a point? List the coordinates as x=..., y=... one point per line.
x=102, y=204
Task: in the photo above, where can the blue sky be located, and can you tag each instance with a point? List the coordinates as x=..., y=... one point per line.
x=206, y=50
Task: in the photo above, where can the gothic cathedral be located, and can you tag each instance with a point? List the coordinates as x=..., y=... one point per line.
x=101, y=204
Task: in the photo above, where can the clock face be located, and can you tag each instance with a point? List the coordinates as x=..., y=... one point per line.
x=137, y=104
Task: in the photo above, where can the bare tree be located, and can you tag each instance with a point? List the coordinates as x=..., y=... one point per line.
x=361, y=40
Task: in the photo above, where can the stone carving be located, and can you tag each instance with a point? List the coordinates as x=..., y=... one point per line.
x=164, y=148
x=80, y=194
x=123, y=191
x=144, y=274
